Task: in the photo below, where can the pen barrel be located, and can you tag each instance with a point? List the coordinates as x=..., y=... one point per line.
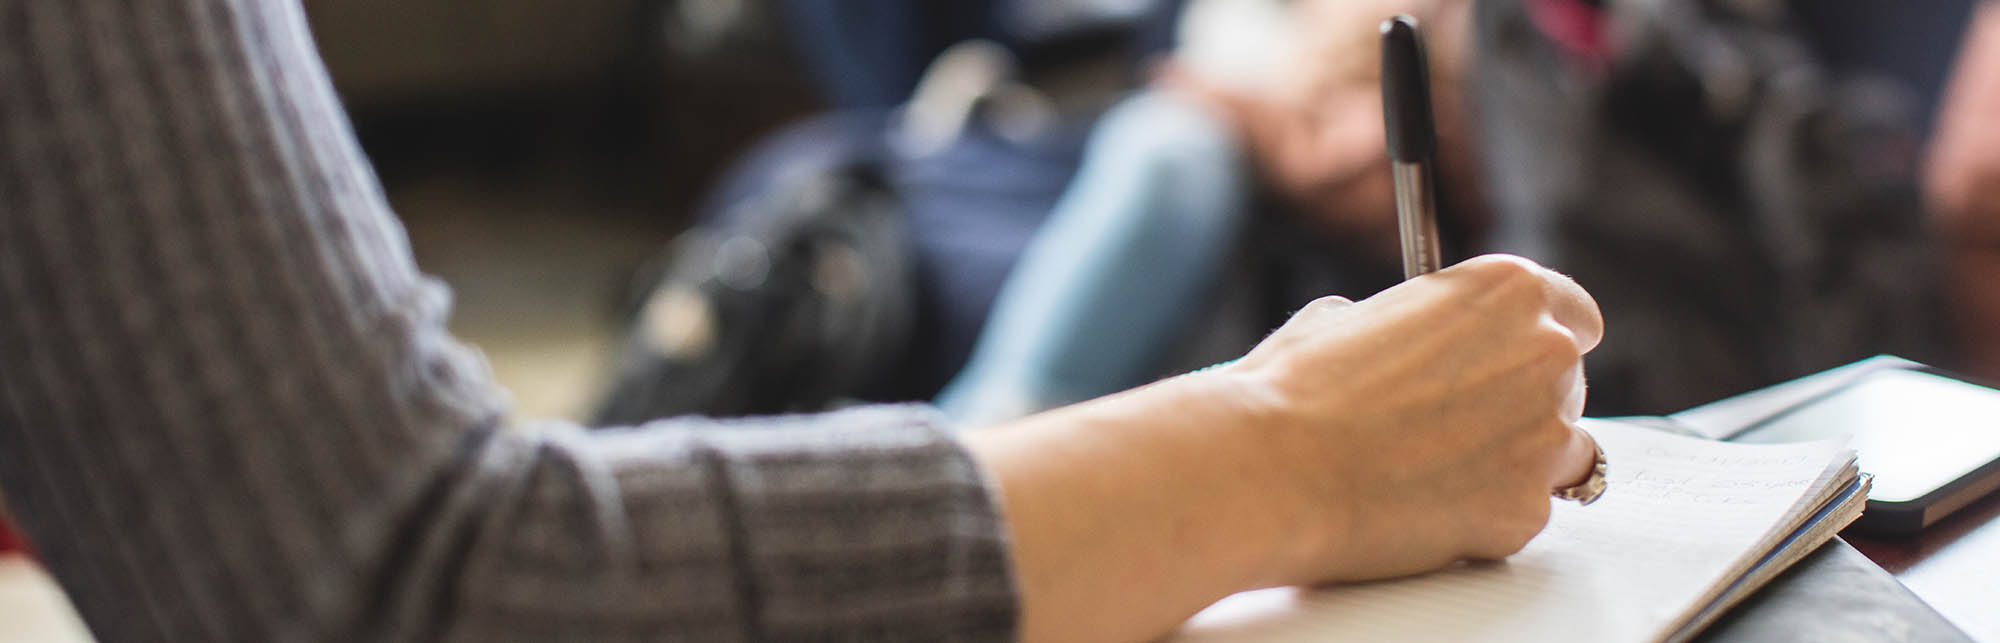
x=1416, y=216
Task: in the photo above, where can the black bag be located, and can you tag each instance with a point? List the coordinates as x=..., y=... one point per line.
x=792, y=308
x=1742, y=216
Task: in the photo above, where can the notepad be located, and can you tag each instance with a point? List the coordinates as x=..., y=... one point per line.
x=1687, y=528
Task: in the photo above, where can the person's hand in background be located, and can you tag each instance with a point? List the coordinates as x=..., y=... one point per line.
x=1424, y=425
x=1963, y=186
x=1310, y=109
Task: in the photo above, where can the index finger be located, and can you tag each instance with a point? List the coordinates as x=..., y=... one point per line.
x=1567, y=303
x=1573, y=307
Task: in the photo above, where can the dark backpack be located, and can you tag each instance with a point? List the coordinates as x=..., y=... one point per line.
x=793, y=307
x=1742, y=216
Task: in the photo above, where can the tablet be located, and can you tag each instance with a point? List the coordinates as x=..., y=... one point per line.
x=1932, y=442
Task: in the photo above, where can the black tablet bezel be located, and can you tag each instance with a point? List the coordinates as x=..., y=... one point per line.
x=1910, y=516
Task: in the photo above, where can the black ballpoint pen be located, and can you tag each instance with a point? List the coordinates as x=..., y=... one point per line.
x=1412, y=138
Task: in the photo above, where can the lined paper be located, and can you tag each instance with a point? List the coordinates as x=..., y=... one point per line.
x=1681, y=517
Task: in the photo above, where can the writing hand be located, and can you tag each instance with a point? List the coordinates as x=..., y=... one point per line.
x=1422, y=426
x=1428, y=423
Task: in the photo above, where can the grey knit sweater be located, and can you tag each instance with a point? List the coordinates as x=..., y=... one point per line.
x=229, y=409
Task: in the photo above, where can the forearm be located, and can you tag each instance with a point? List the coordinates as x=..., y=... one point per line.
x=867, y=524
x=1132, y=512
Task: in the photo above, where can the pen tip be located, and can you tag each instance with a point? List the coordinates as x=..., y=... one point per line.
x=1399, y=25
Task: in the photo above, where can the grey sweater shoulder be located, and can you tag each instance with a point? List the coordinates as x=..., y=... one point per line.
x=229, y=409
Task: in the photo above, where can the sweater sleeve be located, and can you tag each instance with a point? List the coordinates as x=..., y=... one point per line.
x=229, y=409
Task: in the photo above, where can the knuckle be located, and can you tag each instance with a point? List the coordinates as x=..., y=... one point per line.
x=1506, y=269
x=1552, y=345
x=1327, y=304
x=1515, y=289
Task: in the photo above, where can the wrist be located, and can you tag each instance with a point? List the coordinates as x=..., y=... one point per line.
x=1234, y=466
x=1263, y=459
x=1166, y=487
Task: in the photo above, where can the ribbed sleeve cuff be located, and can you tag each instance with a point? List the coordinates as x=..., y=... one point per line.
x=874, y=524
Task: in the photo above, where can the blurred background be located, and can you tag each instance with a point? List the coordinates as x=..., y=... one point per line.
x=657, y=207
x=541, y=153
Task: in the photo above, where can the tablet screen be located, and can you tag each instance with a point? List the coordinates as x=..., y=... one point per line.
x=1915, y=431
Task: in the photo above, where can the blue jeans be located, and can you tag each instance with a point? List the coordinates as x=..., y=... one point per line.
x=1115, y=274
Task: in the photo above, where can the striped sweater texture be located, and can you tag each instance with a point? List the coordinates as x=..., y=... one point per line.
x=229, y=410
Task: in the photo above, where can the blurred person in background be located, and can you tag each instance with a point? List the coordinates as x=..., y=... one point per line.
x=1264, y=108
x=955, y=128
x=1963, y=187
x=1749, y=210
